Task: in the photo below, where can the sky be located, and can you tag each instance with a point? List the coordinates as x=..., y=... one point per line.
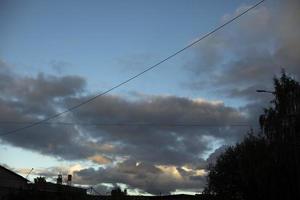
x=56, y=54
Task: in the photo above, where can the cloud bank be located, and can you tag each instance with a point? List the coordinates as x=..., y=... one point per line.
x=154, y=158
x=158, y=159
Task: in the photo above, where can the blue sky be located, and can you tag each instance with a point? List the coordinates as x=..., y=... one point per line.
x=107, y=42
x=55, y=54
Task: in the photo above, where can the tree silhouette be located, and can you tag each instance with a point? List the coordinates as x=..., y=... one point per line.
x=40, y=180
x=264, y=166
x=280, y=126
x=117, y=193
x=236, y=175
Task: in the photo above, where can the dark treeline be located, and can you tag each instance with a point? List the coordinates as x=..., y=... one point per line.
x=264, y=165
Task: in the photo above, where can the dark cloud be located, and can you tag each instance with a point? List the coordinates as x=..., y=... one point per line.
x=249, y=53
x=103, y=189
x=33, y=98
x=147, y=177
x=158, y=159
x=159, y=144
x=150, y=158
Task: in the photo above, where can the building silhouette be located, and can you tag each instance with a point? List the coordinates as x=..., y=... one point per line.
x=11, y=181
x=14, y=186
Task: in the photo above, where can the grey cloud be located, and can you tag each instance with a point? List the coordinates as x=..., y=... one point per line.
x=5, y=75
x=103, y=189
x=254, y=49
x=247, y=55
x=250, y=94
x=160, y=144
x=32, y=98
x=240, y=59
x=32, y=94
x=44, y=88
x=146, y=177
x=29, y=99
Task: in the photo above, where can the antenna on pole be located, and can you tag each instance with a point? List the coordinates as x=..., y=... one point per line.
x=29, y=173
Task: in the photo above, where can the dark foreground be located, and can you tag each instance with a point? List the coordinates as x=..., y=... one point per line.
x=34, y=195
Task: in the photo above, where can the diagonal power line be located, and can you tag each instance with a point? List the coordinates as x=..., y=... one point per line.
x=133, y=77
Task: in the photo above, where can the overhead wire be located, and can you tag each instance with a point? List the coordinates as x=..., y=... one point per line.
x=133, y=77
x=190, y=124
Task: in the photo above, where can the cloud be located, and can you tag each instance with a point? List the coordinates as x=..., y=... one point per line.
x=167, y=144
x=100, y=159
x=50, y=173
x=33, y=98
x=250, y=52
x=153, y=158
x=149, y=178
x=246, y=55
x=156, y=159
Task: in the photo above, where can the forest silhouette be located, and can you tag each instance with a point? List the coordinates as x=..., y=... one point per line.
x=264, y=165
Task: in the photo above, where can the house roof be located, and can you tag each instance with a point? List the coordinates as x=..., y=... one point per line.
x=13, y=173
